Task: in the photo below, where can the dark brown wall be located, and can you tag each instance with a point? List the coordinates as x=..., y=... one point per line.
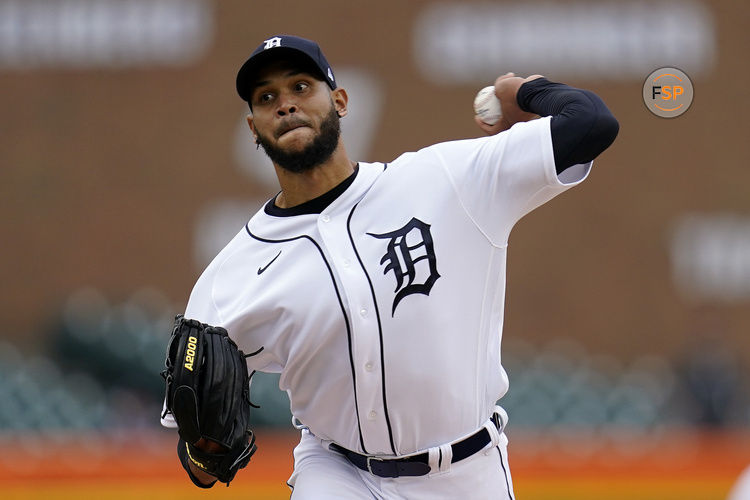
x=103, y=172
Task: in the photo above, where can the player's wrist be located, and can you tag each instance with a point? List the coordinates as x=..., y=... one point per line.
x=508, y=91
x=201, y=476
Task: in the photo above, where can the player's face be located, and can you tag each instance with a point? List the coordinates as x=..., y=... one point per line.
x=294, y=117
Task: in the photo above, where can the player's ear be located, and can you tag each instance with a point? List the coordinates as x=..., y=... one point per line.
x=340, y=100
x=252, y=127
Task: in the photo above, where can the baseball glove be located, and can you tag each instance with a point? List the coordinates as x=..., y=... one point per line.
x=208, y=393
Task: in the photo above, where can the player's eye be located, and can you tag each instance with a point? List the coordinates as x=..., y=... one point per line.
x=301, y=86
x=265, y=97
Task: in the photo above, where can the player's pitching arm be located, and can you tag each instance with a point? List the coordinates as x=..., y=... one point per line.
x=581, y=125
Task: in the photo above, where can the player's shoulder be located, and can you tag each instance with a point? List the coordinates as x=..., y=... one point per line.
x=439, y=152
x=428, y=151
x=201, y=305
x=238, y=243
x=532, y=129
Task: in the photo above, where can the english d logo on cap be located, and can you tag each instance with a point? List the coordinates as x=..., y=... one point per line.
x=274, y=47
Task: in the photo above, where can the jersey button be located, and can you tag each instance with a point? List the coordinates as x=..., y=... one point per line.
x=363, y=312
x=346, y=262
x=325, y=218
x=368, y=367
x=372, y=415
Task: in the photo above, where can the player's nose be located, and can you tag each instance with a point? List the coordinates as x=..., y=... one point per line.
x=287, y=105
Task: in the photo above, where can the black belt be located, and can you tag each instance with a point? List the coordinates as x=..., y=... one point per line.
x=416, y=465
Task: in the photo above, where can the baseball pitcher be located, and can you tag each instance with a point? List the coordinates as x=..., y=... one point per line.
x=376, y=290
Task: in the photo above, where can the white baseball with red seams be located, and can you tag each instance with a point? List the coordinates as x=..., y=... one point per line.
x=487, y=106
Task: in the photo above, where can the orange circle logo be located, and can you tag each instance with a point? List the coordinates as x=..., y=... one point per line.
x=668, y=92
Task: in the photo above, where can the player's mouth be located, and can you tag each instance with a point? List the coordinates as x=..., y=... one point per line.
x=290, y=125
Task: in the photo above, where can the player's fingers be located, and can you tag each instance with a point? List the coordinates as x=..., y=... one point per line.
x=492, y=129
x=507, y=85
x=487, y=129
x=503, y=77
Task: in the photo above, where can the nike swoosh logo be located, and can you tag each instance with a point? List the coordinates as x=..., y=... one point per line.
x=261, y=270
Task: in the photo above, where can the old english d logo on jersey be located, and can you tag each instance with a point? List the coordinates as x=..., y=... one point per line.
x=410, y=255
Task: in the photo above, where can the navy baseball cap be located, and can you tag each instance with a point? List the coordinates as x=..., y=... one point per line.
x=277, y=46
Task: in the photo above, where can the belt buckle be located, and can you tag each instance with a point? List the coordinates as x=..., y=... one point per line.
x=396, y=467
x=369, y=464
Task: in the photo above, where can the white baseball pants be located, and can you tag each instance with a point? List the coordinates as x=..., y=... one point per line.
x=320, y=473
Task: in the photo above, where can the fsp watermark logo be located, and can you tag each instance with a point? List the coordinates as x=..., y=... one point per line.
x=668, y=92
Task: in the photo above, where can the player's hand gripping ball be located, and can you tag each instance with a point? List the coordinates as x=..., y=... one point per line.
x=487, y=106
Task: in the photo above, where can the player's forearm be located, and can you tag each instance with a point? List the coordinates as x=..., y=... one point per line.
x=582, y=125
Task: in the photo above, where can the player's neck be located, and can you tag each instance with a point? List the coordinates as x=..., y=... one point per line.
x=297, y=188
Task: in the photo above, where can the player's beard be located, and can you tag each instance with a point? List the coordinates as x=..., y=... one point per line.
x=316, y=153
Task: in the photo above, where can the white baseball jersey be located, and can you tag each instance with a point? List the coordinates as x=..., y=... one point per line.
x=384, y=312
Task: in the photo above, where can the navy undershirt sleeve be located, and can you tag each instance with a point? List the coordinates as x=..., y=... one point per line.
x=581, y=125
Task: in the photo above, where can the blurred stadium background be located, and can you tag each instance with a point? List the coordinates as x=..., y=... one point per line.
x=125, y=166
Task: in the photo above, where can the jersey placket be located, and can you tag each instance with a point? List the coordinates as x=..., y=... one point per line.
x=365, y=342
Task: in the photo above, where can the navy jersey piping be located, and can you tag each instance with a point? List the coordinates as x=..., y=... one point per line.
x=505, y=473
x=343, y=312
x=380, y=328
